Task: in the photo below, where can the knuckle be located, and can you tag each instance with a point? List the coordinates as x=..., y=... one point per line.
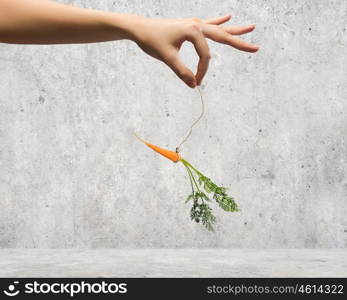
x=226, y=36
x=205, y=57
x=194, y=27
x=202, y=68
x=196, y=20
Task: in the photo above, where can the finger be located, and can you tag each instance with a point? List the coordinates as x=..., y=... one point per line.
x=218, y=21
x=240, y=44
x=201, y=47
x=221, y=36
x=175, y=63
x=237, y=30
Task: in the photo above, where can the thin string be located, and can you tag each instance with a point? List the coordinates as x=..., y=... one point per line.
x=194, y=123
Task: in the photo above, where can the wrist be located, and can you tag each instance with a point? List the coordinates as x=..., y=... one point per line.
x=123, y=26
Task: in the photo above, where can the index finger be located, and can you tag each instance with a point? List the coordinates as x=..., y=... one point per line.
x=201, y=47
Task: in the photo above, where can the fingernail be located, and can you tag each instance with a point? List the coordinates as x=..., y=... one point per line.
x=191, y=83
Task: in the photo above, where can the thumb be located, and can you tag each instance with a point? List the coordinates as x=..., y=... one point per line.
x=181, y=70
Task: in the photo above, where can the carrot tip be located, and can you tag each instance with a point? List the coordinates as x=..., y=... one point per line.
x=173, y=156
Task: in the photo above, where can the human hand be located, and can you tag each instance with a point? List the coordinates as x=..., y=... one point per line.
x=47, y=22
x=162, y=39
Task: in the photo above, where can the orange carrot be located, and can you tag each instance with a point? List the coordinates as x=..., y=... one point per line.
x=173, y=156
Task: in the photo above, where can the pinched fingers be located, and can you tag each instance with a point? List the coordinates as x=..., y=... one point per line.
x=185, y=74
x=201, y=47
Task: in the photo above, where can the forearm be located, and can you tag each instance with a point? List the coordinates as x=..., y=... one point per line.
x=46, y=22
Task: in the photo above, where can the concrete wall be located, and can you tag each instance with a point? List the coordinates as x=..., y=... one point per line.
x=275, y=132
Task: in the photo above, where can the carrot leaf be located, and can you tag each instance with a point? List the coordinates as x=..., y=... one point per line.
x=201, y=187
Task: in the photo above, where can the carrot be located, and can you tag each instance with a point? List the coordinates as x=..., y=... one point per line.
x=204, y=190
x=173, y=156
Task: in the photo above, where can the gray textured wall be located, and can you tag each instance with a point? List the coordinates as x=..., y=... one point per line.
x=275, y=132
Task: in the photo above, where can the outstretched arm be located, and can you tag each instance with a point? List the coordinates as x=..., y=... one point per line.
x=47, y=22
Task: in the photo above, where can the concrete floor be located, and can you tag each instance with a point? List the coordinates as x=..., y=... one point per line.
x=173, y=263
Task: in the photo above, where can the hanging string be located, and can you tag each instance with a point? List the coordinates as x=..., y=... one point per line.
x=195, y=122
